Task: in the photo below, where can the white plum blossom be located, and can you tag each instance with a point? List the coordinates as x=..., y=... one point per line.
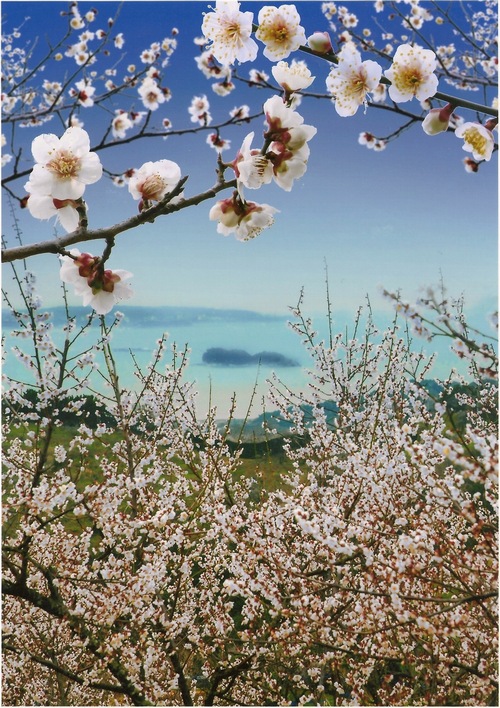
x=64, y=166
x=243, y=219
x=217, y=142
x=252, y=168
x=98, y=287
x=286, y=125
x=351, y=80
x=379, y=94
x=288, y=150
x=83, y=93
x=223, y=88
x=229, y=31
x=280, y=30
x=44, y=206
x=411, y=74
x=148, y=56
x=151, y=94
x=153, y=181
x=120, y=124
x=206, y=64
x=199, y=110
x=240, y=112
x=477, y=139
x=74, y=121
x=294, y=77
x=258, y=77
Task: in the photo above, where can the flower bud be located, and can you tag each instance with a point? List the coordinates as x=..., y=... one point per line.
x=320, y=42
x=437, y=120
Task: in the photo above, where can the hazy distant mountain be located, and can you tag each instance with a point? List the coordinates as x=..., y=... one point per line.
x=160, y=317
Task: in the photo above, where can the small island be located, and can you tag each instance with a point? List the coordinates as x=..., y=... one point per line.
x=240, y=357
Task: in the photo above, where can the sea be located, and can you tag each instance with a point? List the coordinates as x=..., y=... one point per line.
x=200, y=330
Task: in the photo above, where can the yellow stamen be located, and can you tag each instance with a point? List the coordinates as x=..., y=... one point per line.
x=65, y=165
x=474, y=138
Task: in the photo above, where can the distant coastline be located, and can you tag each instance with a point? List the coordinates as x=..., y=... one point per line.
x=168, y=316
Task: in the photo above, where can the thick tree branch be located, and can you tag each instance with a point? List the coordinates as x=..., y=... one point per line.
x=164, y=207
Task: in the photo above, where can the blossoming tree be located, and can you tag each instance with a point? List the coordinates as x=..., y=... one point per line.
x=140, y=567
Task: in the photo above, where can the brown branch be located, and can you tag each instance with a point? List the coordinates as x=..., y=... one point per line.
x=62, y=671
x=163, y=207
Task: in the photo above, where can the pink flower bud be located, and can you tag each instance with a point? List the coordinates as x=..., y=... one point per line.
x=437, y=120
x=320, y=42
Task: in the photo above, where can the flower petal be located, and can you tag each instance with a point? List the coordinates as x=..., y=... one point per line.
x=77, y=140
x=90, y=169
x=68, y=218
x=43, y=147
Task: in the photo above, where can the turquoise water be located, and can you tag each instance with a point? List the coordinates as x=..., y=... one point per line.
x=215, y=384
x=201, y=330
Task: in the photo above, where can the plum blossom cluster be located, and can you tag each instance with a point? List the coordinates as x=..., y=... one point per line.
x=98, y=287
x=283, y=159
x=352, y=82
x=141, y=560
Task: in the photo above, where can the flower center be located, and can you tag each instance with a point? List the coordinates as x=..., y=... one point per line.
x=408, y=80
x=474, y=138
x=232, y=32
x=260, y=163
x=275, y=33
x=153, y=187
x=358, y=85
x=65, y=165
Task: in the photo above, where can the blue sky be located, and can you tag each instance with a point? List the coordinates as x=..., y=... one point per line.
x=402, y=218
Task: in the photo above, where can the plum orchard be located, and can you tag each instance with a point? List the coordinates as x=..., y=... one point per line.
x=139, y=566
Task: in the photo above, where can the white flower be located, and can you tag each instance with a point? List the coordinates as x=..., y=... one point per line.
x=286, y=125
x=210, y=69
x=252, y=168
x=280, y=30
x=43, y=206
x=59, y=453
x=223, y=88
x=230, y=31
x=258, y=77
x=64, y=166
x=350, y=81
x=288, y=151
x=294, y=77
x=198, y=110
x=74, y=122
x=379, y=93
x=151, y=94
x=120, y=124
x=99, y=288
x=83, y=93
x=217, y=142
x=154, y=180
x=245, y=219
x=240, y=112
x=411, y=74
x=477, y=139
